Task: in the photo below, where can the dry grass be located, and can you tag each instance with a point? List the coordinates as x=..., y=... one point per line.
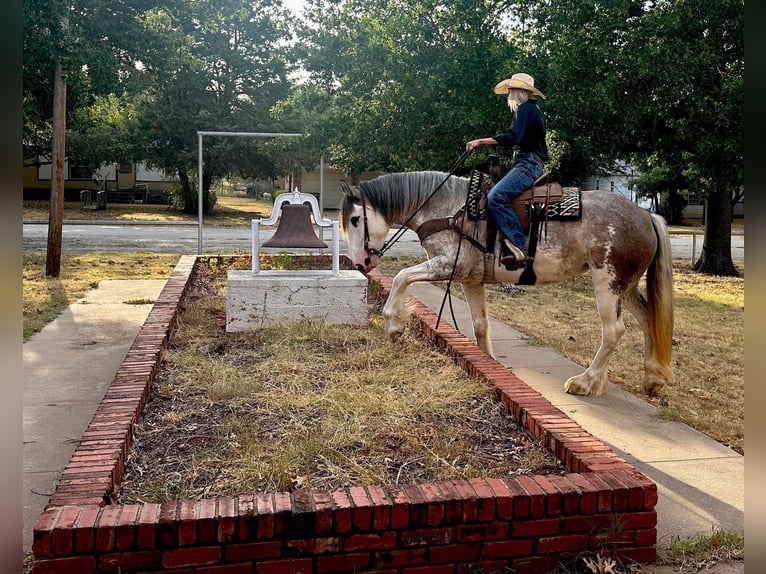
x=313, y=406
x=45, y=297
x=708, y=353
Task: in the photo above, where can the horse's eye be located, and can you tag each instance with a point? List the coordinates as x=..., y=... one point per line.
x=355, y=221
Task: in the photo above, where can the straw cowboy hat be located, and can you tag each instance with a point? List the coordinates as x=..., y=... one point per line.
x=521, y=80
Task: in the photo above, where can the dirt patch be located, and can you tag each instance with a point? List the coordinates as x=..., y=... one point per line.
x=312, y=406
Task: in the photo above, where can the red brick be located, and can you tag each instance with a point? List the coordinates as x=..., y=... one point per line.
x=344, y=563
x=536, y=564
x=427, y=537
x=381, y=515
x=521, y=498
x=126, y=527
x=187, y=527
x=588, y=523
x=409, y=557
x=619, y=491
x=79, y=564
x=588, y=493
x=283, y=509
x=85, y=530
x=129, y=561
x=484, y=531
x=323, y=505
x=253, y=551
x=603, y=489
x=418, y=505
x=382, y=541
x=533, y=528
x=297, y=566
x=195, y=556
x=638, y=520
x=63, y=533
x=470, y=500
x=147, y=525
x=454, y=553
x=167, y=525
x=507, y=549
x=536, y=496
x=453, y=502
x=264, y=504
x=435, y=503
x=503, y=497
x=227, y=518
x=105, y=532
x=553, y=498
x=246, y=521
x=242, y=568
x=564, y=543
x=400, y=508
x=343, y=512
x=569, y=492
x=429, y=570
x=486, y=499
x=646, y=537
x=362, y=507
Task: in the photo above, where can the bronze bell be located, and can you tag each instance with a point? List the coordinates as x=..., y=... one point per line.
x=295, y=229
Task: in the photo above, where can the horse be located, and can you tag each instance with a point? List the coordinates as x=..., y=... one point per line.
x=616, y=240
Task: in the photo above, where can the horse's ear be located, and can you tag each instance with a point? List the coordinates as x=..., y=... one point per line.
x=348, y=191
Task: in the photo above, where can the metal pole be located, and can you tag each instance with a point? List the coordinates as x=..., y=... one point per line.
x=199, y=194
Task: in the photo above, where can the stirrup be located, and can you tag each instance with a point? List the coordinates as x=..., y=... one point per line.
x=512, y=257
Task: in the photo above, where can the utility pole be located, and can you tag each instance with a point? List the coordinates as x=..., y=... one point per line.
x=58, y=157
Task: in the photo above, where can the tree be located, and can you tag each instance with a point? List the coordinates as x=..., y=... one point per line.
x=403, y=84
x=211, y=66
x=693, y=62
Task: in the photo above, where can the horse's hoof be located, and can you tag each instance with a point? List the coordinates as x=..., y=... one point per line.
x=576, y=386
x=573, y=387
x=653, y=385
x=394, y=335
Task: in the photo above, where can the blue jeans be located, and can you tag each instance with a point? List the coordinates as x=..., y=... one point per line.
x=525, y=170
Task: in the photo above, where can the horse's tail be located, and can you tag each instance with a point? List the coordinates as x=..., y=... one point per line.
x=659, y=294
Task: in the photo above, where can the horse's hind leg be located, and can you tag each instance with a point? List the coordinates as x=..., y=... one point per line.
x=475, y=296
x=655, y=375
x=594, y=380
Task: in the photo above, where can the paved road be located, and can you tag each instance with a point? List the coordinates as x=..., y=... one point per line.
x=84, y=238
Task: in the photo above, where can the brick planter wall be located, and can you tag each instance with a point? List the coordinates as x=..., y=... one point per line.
x=525, y=523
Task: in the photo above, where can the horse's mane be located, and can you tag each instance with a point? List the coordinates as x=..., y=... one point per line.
x=397, y=195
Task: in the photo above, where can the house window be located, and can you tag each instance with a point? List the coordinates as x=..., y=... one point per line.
x=80, y=171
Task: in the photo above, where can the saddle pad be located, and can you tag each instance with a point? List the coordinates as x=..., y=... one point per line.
x=478, y=185
x=570, y=207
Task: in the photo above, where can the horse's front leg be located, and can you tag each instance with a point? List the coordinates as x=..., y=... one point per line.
x=476, y=298
x=595, y=380
x=396, y=314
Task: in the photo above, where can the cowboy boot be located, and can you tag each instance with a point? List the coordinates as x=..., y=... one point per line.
x=512, y=257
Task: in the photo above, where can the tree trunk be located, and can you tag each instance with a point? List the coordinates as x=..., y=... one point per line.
x=56, y=214
x=715, y=258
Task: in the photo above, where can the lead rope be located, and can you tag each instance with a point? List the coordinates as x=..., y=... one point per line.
x=448, y=290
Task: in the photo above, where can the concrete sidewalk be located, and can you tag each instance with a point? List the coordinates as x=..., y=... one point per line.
x=70, y=363
x=67, y=368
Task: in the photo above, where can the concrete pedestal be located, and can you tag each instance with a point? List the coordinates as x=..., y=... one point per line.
x=256, y=300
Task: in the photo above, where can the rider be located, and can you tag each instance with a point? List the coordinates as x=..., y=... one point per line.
x=527, y=135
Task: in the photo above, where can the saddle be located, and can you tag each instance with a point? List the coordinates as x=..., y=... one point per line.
x=542, y=201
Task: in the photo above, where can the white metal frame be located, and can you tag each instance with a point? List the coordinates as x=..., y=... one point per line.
x=200, y=196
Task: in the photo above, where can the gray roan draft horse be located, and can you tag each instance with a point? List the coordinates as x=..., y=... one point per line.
x=615, y=239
